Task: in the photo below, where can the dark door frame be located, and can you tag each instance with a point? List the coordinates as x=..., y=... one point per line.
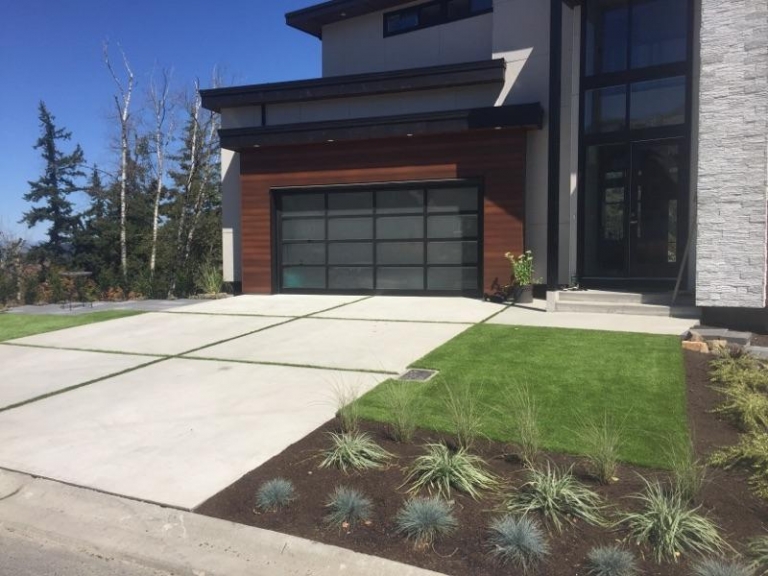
x=403, y=185
x=683, y=131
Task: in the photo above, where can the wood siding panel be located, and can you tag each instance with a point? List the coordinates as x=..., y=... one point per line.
x=495, y=158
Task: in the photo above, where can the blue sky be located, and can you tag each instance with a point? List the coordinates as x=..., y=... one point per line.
x=51, y=50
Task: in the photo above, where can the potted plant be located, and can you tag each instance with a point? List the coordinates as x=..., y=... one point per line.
x=522, y=276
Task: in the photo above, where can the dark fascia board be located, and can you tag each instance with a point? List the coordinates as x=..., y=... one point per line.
x=312, y=19
x=356, y=85
x=529, y=116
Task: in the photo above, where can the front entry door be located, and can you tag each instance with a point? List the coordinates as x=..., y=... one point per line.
x=635, y=220
x=657, y=209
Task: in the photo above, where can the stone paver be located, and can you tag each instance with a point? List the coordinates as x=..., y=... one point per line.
x=349, y=344
x=278, y=305
x=175, y=432
x=536, y=315
x=31, y=372
x=153, y=333
x=417, y=309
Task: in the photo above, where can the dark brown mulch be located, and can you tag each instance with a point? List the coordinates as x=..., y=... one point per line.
x=760, y=340
x=726, y=499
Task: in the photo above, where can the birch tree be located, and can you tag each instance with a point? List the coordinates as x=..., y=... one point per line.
x=162, y=134
x=123, y=105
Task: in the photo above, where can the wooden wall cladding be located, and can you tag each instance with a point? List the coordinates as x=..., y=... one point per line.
x=495, y=157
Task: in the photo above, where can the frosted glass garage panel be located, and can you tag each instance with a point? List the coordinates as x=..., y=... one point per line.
x=304, y=278
x=350, y=253
x=454, y=278
x=310, y=204
x=350, y=203
x=304, y=254
x=452, y=253
x=452, y=227
x=350, y=278
x=452, y=200
x=400, y=278
x=390, y=253
x=304, y=229
x=399, y=227
x=399, y=201
x=350, y=228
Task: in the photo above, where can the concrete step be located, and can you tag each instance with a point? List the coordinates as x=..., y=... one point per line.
x=603, y=296
x=638, y=309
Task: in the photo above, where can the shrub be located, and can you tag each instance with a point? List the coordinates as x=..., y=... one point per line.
x=523, y=417
x=669, y=526
x=602, y=442
x=209, y=279
x=275, y=494
x=347, y=506
x=441, y=469
x=355, y=450
x=688, y=473
x=425, y=519
x=347, y=408
x=742, y=369
x=402, y=405
x=757, y=550
x=519, y=542
x=748, y=408
x=557, y=496
x=465, y=415
x=721, y=568
x=611, y=561
x=751, y=452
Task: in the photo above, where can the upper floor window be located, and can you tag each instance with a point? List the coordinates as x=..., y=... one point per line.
x=432, y=14
x=634, y=34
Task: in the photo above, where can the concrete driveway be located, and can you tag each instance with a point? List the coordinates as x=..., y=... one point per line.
x=171, y=407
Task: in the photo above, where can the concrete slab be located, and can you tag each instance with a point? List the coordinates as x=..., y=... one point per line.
x=536, y=315
x=350, y=344
x=79, y=309
x=152, y=333
x=277, y=305
x=31, y=372
x=417, y=309
x=174, y=433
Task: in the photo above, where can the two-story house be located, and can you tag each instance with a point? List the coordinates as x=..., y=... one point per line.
x=624, y=142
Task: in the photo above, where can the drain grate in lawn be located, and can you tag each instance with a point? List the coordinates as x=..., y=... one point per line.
x=418, y=375
x=637, y=380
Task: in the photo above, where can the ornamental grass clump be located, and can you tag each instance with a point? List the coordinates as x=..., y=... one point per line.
x=718, y=567
x=745, y=406
x=741, y=369
x=464, y=413
x=423, y=520
x=521, y=415
x=442, y=469
x=558, y=497
x=752, y=453
x=518, y=542
x=347, y=506
x=667, y=524
x=688, y=473
x=347, y=408
x=602, y=441
x=757, y=551
x=403, y=405
x=611, y=561
x=355, y=451
x=275, y=494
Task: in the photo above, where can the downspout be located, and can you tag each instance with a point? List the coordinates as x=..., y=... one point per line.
x=553, y=163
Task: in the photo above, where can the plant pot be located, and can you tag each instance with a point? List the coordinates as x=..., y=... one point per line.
x=523, y=294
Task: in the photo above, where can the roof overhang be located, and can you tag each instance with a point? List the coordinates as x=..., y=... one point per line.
x=431, y=78
x=312, y=19
x=522, y=116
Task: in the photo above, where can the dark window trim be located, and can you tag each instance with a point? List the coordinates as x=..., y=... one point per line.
x=443, y=19
x=628, y=137
x=425, y=185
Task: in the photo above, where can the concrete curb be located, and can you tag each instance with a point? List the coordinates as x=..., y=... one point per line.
x=171, y=540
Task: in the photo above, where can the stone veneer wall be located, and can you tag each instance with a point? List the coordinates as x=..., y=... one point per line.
x=733, y=155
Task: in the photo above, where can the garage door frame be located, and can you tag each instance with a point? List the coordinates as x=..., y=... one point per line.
x=277, y=242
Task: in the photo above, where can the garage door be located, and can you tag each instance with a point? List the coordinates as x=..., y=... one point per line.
x=418, y=239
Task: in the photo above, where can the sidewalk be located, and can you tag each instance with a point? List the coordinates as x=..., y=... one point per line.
x=171, y=540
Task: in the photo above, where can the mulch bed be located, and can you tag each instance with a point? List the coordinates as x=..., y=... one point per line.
x=726, y=498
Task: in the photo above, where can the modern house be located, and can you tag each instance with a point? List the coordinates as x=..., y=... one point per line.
x=624, y=142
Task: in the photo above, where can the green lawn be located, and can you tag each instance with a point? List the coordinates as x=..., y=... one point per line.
x=573, y=375
x=19, y=325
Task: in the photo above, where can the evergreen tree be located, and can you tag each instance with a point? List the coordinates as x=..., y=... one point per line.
x=50, y=193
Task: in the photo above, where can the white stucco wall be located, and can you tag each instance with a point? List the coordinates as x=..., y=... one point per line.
x=230, y=216
x=358, y=45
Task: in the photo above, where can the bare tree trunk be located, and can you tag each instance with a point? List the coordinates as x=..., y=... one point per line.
x=123, y=104
x=160, y=107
